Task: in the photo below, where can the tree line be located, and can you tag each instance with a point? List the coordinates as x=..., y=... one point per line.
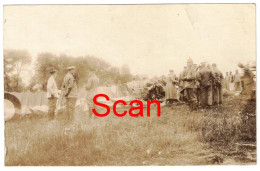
x=16, y=61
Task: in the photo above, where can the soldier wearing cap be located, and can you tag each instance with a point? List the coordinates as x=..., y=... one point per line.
x=171, y=91
x=205, y=78
x=70, y=92
x=217, y=85
x=52, y=94
x=91, y=87
x=189, y=78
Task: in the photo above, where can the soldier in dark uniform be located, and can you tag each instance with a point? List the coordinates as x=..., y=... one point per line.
x=249, y=83
x=205, y=77
x=182, y=92
x=197, y=84
x=189, y=78
x=70, y=92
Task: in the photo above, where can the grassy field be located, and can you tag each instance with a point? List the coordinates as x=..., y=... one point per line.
x=178, y=137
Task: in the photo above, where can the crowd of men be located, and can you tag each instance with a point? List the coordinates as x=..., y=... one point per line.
x=197, y=85
x=201, y=86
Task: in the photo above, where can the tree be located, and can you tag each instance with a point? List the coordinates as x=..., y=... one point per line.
x=15, y=62
x=106, y=73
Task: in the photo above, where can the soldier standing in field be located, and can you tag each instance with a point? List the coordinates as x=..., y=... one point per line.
x=70, y=92
x=205, y=77
x=231, y=81
x=197, y=84
x=217, y=85
x=237, y=81
x=181, y=85
x=171, y=91
x=91, y=87
x=189, y=78
x=249, y=82
x=52, y=94
x=227, y=81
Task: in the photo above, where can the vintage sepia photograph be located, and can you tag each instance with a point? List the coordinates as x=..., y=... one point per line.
x=129, y=85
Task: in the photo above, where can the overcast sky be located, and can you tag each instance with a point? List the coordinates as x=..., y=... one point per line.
x=151, y=39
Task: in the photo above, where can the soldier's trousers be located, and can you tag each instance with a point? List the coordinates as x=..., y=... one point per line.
x=191, y=97
x=70, y=107
x=52, y=106
x=206, y=96
x=198, y=93
x=217, y=94
x=228, y=87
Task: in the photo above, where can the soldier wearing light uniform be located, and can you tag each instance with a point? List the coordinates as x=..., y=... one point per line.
x=231, y=81
x=52, y=94
x=189, y=78
x=205, y=77
x=226, y=82
x=217, y=85
x=171, y=91
x=70, y=92
x=91, y=87
x=237, y=81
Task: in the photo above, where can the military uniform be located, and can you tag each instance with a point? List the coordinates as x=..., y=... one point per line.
x=70, y=93
x=227, y=82
x=237, y=82
x=205, y=77
x=197, y=87
x=248, y=82
x=190, y=85
x=217, y=86
x=182, y=92
x=171, y=91
x=231, y=81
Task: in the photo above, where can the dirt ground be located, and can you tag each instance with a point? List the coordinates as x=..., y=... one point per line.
x=178, y=137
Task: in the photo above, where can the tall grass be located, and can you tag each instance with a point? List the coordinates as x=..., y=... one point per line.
x=178, y=137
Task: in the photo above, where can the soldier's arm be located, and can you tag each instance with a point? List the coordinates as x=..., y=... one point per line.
x=50, y=86
x=69, y=87
x=70, y=83
x=179, y=78
x=221, y=77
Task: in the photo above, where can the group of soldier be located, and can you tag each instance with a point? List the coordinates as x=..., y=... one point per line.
x=69, y=92
x=201, y=86
x=235, y=79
